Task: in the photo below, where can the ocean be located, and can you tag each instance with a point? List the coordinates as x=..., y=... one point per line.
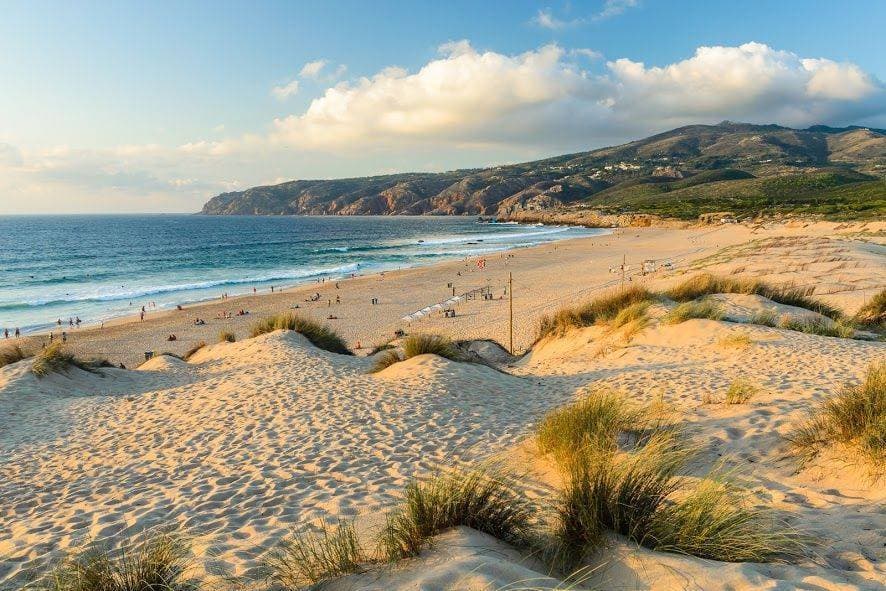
x=98, y=267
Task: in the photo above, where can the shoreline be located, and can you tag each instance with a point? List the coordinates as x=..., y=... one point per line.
x=546, y=277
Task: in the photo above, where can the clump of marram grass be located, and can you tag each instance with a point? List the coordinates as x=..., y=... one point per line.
x=688, y=310
x=596, y=421
x=873, y=313
x=601, y=309
x=158, y=562
x=385, y=360
x=636, y=312
x=10, y=354
x=638, y=489
x=55, y=359
x=309, y=557
x=193, y=350
x=765, y=318
x=817, y=326
x=226, y=336
x=320, y=335
x=422, y=344
x=856, y=417
x=707, y=284
x=483, y=498
x=740, y=391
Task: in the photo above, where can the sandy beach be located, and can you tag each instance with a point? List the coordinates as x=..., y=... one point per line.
x=247, y=440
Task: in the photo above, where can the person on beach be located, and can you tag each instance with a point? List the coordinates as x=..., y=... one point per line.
x=18, y=333
x=64, y=337
x=6, y=333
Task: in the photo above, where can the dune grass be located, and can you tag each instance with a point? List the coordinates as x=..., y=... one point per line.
x=688, y=310
x=594, y=421
x=10, y=354
x=55, y=359
x=483, y=498
x=765, y=318
x=602, y=309
x=192, y=351
x=740, y=391
x=227, y=336
x=158, y=562
x=309, y=557
x=320, y=335
x=856, y=417
x=873, y=313
x=636, y=487
x=817, y=326
x=385, y=360
x=421, y=344
x=707, y=284
x=737, y=340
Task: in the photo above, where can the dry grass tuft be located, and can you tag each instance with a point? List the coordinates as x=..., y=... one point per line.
x=10, y=354
x=311, y=557
x=736, y=340
x=320, y=335
x=482, y=498
x=603, y=309
x=817, y=326
x=227, y=336
x=740, y=391
x=433, y=344
x=856, y=417
x=765, y=318
x=157, y=563
x=873, y=313
x=688, y=310
x=385, y=360
x=54, y=359
x=193, y=350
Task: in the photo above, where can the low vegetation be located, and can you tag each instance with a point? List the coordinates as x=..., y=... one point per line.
x=817, y=326
x=320, y=335
x=856, y=417
x=385, y=360
x=158, y=562
x=227, y=336
x=55, y=359
x=635, y=487
x=736, y=340
x=481, y=498
x=10, y=354
x=705, y=308
x=193, y=350
x=602, y=309
x=873, y=313
x=423, y=344
x=740, y=391
x=707, y=284
x=311, y=557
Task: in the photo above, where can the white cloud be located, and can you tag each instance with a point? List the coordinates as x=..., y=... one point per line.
x=614, y=8
x=545, y=19
x=285, y=91
x=591, y=54
x=312, y=69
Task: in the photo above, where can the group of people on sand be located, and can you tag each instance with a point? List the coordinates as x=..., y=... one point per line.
x=18, y=333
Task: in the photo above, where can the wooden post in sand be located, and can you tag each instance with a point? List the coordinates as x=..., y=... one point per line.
x=511, y=314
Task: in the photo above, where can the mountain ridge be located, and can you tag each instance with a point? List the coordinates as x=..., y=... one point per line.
x=740, y=151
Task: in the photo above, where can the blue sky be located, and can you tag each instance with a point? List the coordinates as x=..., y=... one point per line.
x=157, y=106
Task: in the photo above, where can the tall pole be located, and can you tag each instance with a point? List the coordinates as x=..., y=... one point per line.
x=624, y=260
x=511, y=305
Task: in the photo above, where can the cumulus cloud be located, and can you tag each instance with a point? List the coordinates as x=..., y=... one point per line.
x=614, y=8
x=285, y=91
x=545, y=19
x=591, y=54
x=542, y=96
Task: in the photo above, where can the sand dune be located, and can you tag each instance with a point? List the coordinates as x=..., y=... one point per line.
x=247, y=440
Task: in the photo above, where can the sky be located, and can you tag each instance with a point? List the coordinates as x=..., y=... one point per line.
x=158, y=106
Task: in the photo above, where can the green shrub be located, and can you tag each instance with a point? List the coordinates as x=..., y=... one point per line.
x=482, y=498
x=603, y=309
x=311, y=557
x=320, y=335
x=689, y=310
x=856, y=417
x=157, y=563
x=54, y=359
x=227, y=336
x=10, y=354
x=422, y=344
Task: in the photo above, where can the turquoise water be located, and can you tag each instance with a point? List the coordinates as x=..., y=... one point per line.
x=100, y=267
